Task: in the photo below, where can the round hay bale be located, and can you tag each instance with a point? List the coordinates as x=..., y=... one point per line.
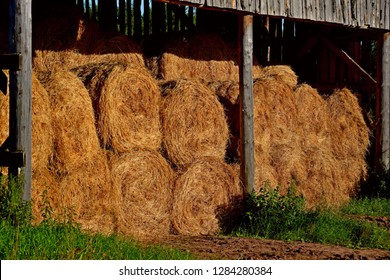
x=193, y=122
x=281, y=73
x=205, y=197
x=75, y=137
x=193, y=58
x=350, y=136
x=88, y=193
x=126, y=101
x=42, y=127
x=142, y=182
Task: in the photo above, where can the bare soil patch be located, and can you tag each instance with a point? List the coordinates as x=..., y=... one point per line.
x=236, y=248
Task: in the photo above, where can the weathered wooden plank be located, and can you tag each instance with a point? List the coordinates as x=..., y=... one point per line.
x=146, y=18
x=385, y=111
x=246, y=103
x=21, y=89
x=357, y=13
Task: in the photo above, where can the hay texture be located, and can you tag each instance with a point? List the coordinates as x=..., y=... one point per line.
x=118, y=48
x=203, y=56
x=75, y=137
x=205, y=194
x=42, y=127
x=126, y=102
x=350, y=136
x=4, y=113
x=142, y=183
x=282, y=73
x=193, y=122
x=79, y=165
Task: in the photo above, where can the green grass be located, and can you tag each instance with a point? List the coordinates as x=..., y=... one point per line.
x=368, y=206
x=66, y=242
x=61, y=238
x=284, y=217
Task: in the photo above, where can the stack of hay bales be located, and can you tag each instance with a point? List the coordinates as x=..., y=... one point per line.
x=195, y=135
x=79, y=165
x=143, y=158
x=318, y=142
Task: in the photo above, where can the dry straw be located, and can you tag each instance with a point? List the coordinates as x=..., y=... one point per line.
x=205, y=195
x=142, y=185
x=201, y=56
x=118, y=48
x=193, y=122
x=75, y=137
x=282, y=73
x=4, y=114
x=126, y=101
x=350, y=136
x=42, y=127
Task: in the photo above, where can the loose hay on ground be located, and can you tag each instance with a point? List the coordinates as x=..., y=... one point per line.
x=193, y=122
x=142, y=182
x=205, y=194
x=126, y=102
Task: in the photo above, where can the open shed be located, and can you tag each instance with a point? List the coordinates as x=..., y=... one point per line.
x=276, y=31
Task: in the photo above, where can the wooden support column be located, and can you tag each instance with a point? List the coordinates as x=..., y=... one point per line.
x=385, y=112
x=21, y=90
x=246, y=101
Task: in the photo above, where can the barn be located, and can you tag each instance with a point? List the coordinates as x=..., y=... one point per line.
x=328, y=47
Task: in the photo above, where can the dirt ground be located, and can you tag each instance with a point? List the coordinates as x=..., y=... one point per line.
x=236, y=248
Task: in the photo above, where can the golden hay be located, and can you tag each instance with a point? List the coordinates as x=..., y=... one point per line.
x=44, y=194
x=193, y=122
x=42, y=127
x=4, y=114
x=142, y=183
x=126, y=101
x=313, y=116
x=202, y=56
x=75, y=137
x=205, y=194
x=350, y=136
x=282, y=73
x=89, y=193
x=115, y=49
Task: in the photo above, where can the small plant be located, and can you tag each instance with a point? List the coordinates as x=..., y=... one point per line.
x=12, y=207
x=272, y=215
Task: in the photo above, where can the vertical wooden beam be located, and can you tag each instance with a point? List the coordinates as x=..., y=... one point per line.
x=246, y=102
x=385, y=112
x=378, y=104
x=20, y=33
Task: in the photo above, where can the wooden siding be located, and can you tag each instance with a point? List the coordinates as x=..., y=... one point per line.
x=354, y=13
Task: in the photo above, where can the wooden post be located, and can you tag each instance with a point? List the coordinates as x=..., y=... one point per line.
x=246, y=102
x=21, y=89
x=385, y=130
